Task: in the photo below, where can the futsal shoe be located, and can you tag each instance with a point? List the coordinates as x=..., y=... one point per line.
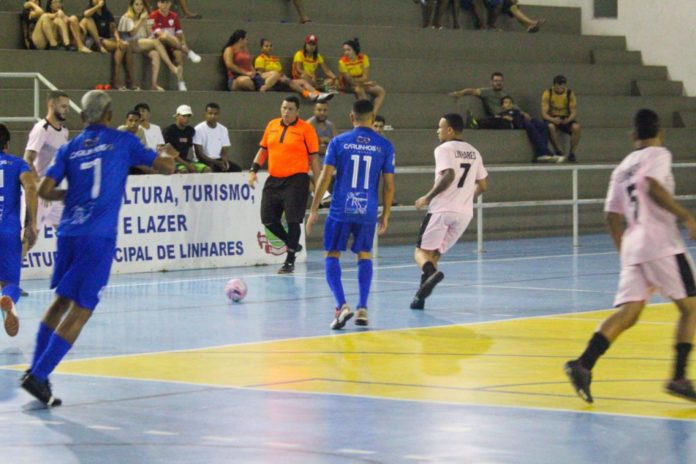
x=681, y=388
x=580, y=378
x=361, y=319
x=417, y=303
x=287, y=268
x=40, y=390
x=343, y=315
x=9, y=315
x=429, y=285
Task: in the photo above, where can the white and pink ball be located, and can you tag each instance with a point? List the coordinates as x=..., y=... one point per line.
x=236, y=290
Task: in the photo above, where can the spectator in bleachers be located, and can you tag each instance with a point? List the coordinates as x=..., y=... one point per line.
x=267, y=62
x=491, y=98
x=325, y=132
x=183, y=4
x=241, y=75
x=512, y=9
x=453, y=6
x=180, y=136
x=354, y=68
x=167, y=29
x=305, y=64
x=153, y=133
x=66, y=26
x=299, y=6
x=378, y=124
x=99, y=24
x=38, y=30
x=559, y=109
x=536, y=130
x=132, y=125
x=212, y=142
x=135, y=29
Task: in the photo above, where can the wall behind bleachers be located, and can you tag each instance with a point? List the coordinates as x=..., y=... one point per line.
x=662, y=30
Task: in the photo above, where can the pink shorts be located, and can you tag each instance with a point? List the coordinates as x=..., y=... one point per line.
x=672, y=276
x=439, y=231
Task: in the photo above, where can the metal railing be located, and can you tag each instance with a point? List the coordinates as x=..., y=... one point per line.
x=38, y=80
x=574, y=201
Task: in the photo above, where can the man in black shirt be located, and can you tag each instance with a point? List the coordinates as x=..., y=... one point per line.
x=180, y=136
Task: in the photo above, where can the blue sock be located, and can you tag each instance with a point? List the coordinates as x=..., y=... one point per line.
x=13, y=291
x=42, y=338
x=364, y=280
x=57, y=348
x=333, y=277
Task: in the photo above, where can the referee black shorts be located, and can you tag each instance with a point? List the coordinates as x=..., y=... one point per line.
x=285, y=195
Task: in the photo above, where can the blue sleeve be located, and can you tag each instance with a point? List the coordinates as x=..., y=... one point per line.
x=60, y=164
x=23, y=167
x=139, y=155
x=388, y=167
x=330, y=157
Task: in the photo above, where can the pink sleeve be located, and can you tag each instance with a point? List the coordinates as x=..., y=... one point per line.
x=614, y=201
x=442, y=160
x=481, y=173
x=37, y=138
x=660, y=167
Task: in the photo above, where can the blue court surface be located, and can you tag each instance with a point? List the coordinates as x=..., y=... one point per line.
x=168, y=371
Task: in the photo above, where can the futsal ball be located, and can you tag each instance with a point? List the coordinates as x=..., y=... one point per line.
x=236, y=290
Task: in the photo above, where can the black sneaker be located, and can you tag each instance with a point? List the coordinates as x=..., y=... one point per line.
x=429, y=285
x=572, y=158
x=580, y=378
x=23, y=293
x=681, y=388
x=40, y=390
x=417, y=303
x=287, y=268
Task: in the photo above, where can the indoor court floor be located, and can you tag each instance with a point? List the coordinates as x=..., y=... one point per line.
x=167, y=371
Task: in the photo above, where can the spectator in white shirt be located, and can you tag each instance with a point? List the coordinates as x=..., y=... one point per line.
x=153, y=132
x=212, y=142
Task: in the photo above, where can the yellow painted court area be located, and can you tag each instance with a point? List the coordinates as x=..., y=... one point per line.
x=505, y=363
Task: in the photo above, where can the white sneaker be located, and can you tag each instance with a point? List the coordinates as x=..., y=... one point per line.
x=182, y=86
x=343, y=315
x=194, y=57
x=559, y=159
x=10, y=315
x=545, y=158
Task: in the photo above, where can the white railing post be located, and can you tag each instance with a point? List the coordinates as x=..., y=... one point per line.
x=479, y=225
x=576, y=219
x=36, y=98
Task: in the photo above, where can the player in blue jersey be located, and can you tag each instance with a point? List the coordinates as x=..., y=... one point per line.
x=96, y=165
x=15, y=174
x=359, y=158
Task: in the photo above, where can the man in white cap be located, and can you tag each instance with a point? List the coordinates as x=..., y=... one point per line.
x=180, y=136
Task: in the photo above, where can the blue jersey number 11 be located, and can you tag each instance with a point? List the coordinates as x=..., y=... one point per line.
x=356, y=171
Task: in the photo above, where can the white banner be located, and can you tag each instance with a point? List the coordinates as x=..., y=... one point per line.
x=191, y=221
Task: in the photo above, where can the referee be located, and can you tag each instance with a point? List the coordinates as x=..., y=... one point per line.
x=290, y=145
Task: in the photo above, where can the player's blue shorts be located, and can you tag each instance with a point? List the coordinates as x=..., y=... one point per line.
x=336, y=236
x=82, y=268
x=10, y=258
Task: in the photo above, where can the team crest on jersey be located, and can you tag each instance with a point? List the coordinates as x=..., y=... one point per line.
x=362, y=139
x=356, y=203
x=171, y=22
x=90, y=142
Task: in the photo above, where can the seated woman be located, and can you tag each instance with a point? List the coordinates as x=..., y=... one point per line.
x=306, y=61
x=38, y=30
x=240, y=74
x=354, y=68
x=267, y=62
x=66, y=26
x=99, y=24
x=135, y=29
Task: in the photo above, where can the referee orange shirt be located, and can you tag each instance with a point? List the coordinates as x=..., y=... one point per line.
x=289, y=147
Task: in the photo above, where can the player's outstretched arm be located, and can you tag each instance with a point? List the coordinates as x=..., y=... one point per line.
x=31, y=201
x=388, y=197
x=321, y=186
x=48, y=190
x=666, y=201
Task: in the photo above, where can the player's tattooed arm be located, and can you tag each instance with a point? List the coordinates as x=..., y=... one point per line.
x=440, y=186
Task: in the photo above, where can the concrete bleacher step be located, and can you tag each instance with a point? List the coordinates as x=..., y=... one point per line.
x=686, y=119
x=613, y=56
x=660, y=87
x=206, y=36
x=394, y=13
x=66, y=70
x=407, y=111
